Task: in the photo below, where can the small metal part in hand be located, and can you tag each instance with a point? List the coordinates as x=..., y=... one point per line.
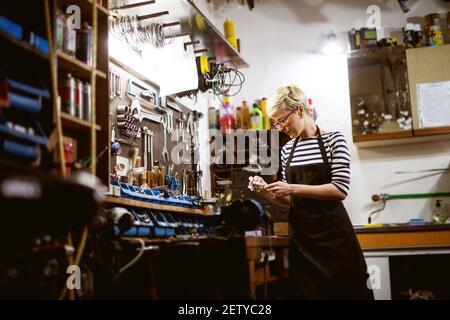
x=255, y=185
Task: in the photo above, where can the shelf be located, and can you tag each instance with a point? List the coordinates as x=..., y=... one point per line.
x=77, y=68
x=383, y=136
x=86, y=7
x=431, y=131
x=146, y=205
x=213, y=39
x=77, y=124
x=24, y=45
x=193, y=23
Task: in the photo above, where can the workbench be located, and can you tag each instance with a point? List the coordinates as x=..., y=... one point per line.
x=267, y=260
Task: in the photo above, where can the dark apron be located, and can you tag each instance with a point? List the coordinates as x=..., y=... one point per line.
x=325, y=259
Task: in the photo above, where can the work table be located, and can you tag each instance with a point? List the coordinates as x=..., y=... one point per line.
x=400, y=227
x=403, y=236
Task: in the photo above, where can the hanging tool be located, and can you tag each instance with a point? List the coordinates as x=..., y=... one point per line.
x=145, y=141
x=150, y=149
x=139, y=113
x=165, y=153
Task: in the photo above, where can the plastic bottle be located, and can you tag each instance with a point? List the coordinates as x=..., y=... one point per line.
x=245, y=116
x=438, y=216
x=238, y=117
x=311, y=110
x=266, y=120
x=256, y=118
x=227, y=121
x=212, y=117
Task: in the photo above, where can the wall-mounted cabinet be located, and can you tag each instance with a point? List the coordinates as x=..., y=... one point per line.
x=429, y=84
x=379, y=94
x=399, y=95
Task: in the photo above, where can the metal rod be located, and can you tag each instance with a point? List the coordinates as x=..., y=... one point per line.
x=171, y=24
x=201, y=50
x=423, y=171
x=134, y=5
x=191, y=43
x=177, y=35
x=377, y=197
x=153, y=15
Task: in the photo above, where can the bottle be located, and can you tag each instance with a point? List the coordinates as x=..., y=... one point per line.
x=227, y=121
x=238, y=117
x=311, y=111
x=212, y=118
x=256, y=118
x=438, y=217
x=266, y=120
x=245, y=116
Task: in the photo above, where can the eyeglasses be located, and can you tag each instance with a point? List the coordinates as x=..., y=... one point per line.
x=282, y=121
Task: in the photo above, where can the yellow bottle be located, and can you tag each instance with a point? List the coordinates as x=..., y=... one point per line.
x=266, y=120
x=245, y=116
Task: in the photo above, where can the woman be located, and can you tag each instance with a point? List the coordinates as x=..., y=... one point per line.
x=325, y=259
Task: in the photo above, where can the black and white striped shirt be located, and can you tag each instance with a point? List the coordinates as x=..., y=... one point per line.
x=307, y=152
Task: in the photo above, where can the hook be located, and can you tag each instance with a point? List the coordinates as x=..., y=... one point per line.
x=190, y=43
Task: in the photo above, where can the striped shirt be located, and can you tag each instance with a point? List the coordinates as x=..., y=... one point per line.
x=307, y=152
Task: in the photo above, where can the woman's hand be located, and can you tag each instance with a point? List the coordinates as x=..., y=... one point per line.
x=280, y=188
x=256, y=183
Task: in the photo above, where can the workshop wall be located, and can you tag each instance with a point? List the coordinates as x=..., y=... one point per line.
x=279, y=40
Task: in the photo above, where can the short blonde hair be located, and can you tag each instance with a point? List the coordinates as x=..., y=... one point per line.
x=288, y=98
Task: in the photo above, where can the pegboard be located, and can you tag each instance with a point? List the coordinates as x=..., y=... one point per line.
x=138, y=87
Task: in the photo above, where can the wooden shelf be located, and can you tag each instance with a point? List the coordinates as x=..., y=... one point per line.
x=75, y=123
x=383, y=136
x=77, y=68
x=161, y=207
x=431, y=131
x=24, y=45
x=85, y=6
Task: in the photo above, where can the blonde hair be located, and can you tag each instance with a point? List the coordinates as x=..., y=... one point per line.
x=289, y=98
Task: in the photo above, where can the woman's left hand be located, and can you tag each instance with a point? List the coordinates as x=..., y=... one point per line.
x=280, y=188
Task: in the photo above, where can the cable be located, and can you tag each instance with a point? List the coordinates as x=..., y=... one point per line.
x=136, y=258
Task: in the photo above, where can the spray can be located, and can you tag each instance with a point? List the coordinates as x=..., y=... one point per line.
x=87, y=101
x=67, y=92
x=84, y=44
x=79, y=99
x=70, y=39
x=60, y=25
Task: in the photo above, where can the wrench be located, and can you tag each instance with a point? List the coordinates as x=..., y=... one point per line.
x=165, y=153
x=146, y=145
x=150, y=148
x=143, y=114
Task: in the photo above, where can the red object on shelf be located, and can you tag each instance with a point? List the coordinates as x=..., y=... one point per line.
x=68, y=156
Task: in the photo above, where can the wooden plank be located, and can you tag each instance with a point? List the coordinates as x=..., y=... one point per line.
x=161, y=207
x=77, y=68
x=431, y=131
x=403, y=239
x=24, y=45
x=266, y=241
x=75, y=123
x=383, y=136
